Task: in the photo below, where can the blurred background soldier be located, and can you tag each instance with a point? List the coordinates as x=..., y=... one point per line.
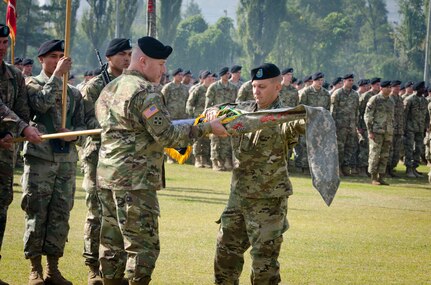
x=18, y=63
x=336, y=83
x=118, y=56
x=409, y=89
x=27, y=67
x=235, y=79
x=397, y=141
x=187, y=79
x=245, y=92
x=288, y=94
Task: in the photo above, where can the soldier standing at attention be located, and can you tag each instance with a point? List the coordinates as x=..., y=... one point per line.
x=336, y=84
x=14, y=117
x=18, y=63
x=409, y=89
x=415, y=112
x=235, y=79
x=314, y=96
x=256, y=212
x=379, y=117
x=399, y=125
x=118, y=56
x=221, y=91
x=288, y=94
x=344, y=110
x=245, y=92
x=27, y=67
x=187, y=79
x=136, y=127
x=175, y=95
x=49, y=176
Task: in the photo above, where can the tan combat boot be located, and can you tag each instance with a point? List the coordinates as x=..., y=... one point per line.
x=410, y=173
x=198, y=162
x=36, y=274
x=374, y=179
x=53, y=274
x=381, y=179
x=143, y=281
x=94, y=277
x=217, y=166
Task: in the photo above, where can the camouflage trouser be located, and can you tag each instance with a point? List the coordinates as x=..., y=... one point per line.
x=221, y=149
x=94, y=213
x=346, y=141
x=427, y=141
x=245, y=222
x=379, y=153
x=6, y=195
x=363, y=150
x=301, y=157
x=202, y=148
x=395, y=151
x=132, y=242
x=48, y=193
x=413, y=148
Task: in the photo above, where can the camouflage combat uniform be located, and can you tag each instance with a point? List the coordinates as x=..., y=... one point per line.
x=195, y=106
x=136, y=127
x=399, y=125
x=14, y=115
x=245, y=92
x=175, y=96
x=362, y=128
x=221, y=149
x=428, y=143
x=314, y=98
x=49, y=176
x=256, y=213
x=288, y=96
x=344, y=110
x=415, y=112
x=237, y=84
x=379, y=117
x=89, y=157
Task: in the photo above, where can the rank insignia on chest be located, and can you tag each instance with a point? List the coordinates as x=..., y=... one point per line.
x=150, y=111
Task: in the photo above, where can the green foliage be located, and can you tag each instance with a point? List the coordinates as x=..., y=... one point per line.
x=127, y=14
x=192, y=9
x=170, y=17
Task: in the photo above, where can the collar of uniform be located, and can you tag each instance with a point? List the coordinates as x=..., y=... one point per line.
x=274, y=105
x=133, y=72
x=43, y=76
x=6, y=71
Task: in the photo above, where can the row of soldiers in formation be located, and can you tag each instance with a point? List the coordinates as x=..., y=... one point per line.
x=49, y=169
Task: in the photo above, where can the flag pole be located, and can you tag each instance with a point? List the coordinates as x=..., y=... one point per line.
x=66, y=53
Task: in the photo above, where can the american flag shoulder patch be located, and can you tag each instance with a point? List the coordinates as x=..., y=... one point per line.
x=150, y=111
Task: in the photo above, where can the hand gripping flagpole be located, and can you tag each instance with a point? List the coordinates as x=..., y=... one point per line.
x=66, y=53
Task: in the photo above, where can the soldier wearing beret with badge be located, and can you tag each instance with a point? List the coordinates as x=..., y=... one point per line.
x=118, y=56
x=256, y=212
x=49, y=176
x=136, y=127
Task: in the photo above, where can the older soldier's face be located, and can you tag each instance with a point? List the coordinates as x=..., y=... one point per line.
x=49, y=61
x=4, y=42
x=154, y=69
x=266, y=91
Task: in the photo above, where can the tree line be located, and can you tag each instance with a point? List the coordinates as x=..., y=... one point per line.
x=335, y=37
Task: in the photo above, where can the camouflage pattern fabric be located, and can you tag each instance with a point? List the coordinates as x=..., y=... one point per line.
x=48, y=195
x=245, y=92
x=344, y=110
x=237, y=84
x=6, y=194
x=175, y=96
x=379, y=153
x=289, y=96
x=428, y=143
x=399, y=124
x=395, y=150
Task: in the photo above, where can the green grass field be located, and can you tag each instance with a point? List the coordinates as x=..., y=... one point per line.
x=369, y=235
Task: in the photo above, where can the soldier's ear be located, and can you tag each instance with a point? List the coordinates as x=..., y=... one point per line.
x=40, y=59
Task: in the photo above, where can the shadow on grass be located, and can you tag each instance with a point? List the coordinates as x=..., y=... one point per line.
x=195, y=190
x=187, y=198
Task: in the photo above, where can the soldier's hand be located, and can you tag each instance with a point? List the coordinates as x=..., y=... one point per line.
x=6, y=142
x=217, y=128
x=211, y=114
x=67, y=139
x=32, y=135
x=63, y=66
x=371, y=136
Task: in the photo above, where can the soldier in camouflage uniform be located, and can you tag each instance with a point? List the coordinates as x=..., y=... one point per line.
x=314, y=96
x=27, y=67
x=118, y=56
x=336, y=84
x=362, y=127
x=397, y=141
x=136, y=127
x=379, y=117
x=428, y=144
x=415, y=112
x=344, y=110
x=195, y=107
x=288, y=94
x=235, y=79
x=175, y=95
x=49, y=176
x=408, y=89
x=245, y=92
x=256, y=213
x=14, y=117
x=221, y=91
x=187, y=79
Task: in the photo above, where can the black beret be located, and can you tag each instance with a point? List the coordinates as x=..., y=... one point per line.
x=117, y=45
x=265, y=71
x=419, y=85
x=317, y=75
x=348, y=76
x=402, y=86
x=395, y=83
x=306, y=78
x=18, y=60
x=325, y=85
x=363, y=82
x=408, y=84
x=235, y=68
x=215, y=75
x=223, y=71
x=154, y=48
x=50, y=46
x=188, y=72
x=27, y=61
x=385, y=83
x=287, y=70
x=294, y=79
x=71, y=76
x=336, y=81
x=375, y=80
x=4, y=31
x=205, y=74
x=355, y=87
x=176, y=71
